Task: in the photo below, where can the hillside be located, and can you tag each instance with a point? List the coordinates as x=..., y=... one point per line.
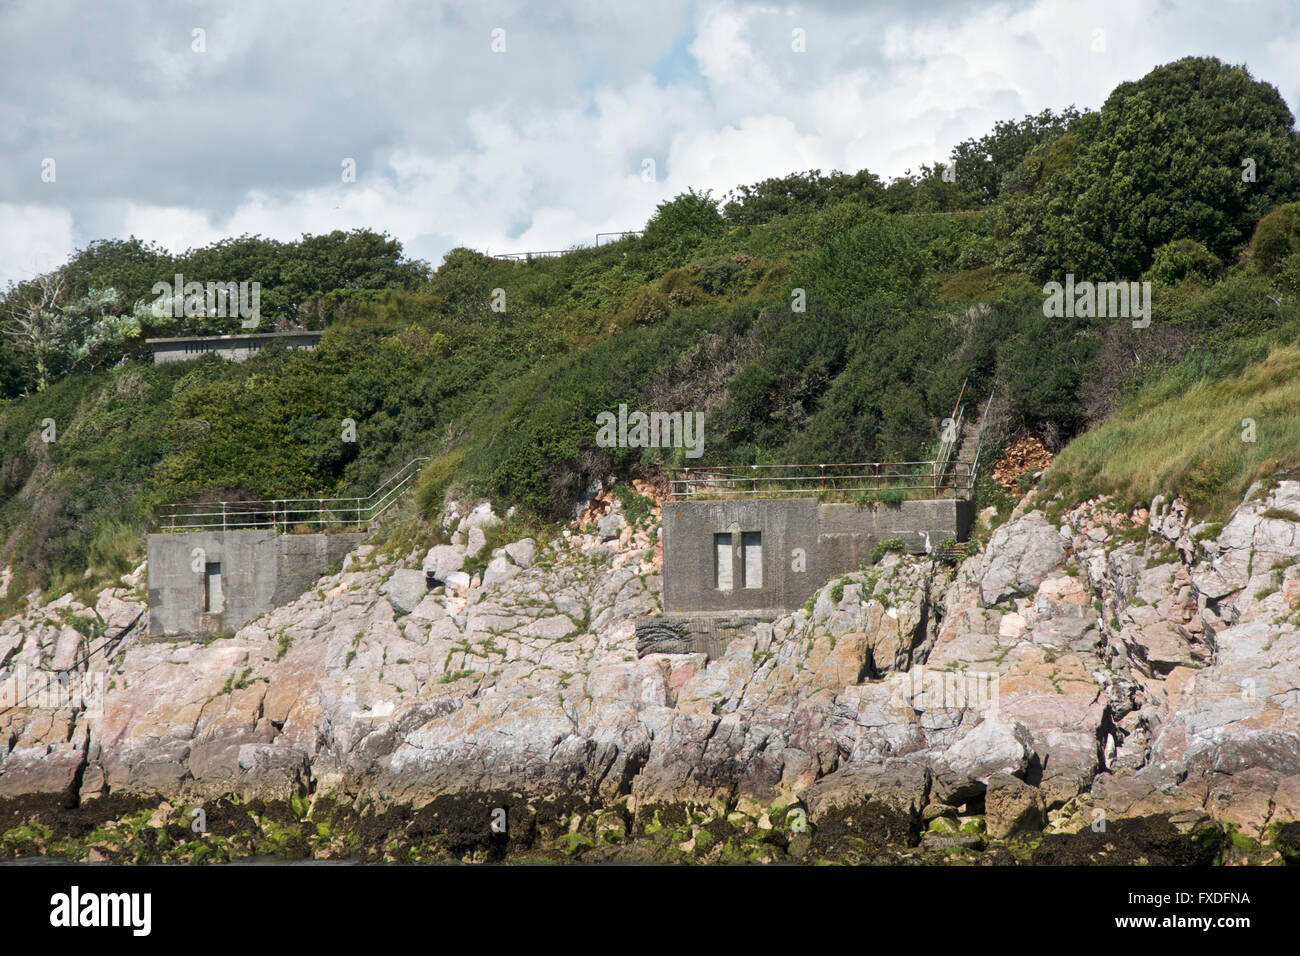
x=907, y=289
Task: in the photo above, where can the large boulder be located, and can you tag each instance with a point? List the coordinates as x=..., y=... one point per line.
x=522, y=552
x=499, y=571
x=442, y=560
x=1019, y=557
x=899, y=785
x=404, y=590
x=1012, y=806
x=994, y=746
x=481, y=517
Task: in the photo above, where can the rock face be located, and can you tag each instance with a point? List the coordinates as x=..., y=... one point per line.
x=1019, y=556
x=1113, y=664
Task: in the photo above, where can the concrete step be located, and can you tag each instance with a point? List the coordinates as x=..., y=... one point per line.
x=969, y=442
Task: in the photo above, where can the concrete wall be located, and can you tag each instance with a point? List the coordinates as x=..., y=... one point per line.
x=259, y=570
x=803, y=543
x=237, y=348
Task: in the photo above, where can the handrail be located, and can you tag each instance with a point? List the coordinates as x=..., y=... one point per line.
x=282, y=513
x=979, y=438
x=937, y=479
x=940, y=477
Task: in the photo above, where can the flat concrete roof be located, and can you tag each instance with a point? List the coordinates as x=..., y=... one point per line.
x=236, y=336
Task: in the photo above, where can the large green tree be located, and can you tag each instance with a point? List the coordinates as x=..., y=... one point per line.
x=1196, y=149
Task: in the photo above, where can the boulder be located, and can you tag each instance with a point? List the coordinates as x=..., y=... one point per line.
x=522, y=552
x=993, y=746
x=1012, y=806
x=404, y=590
x=458, y=582
x=480, y=517
x=610, y=526
x=442, y=560
x=900, y=785
x=499, y=571
x=1019, y=557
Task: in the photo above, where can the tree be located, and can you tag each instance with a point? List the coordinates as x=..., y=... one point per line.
x=982, y=164
x=1195, y=149
x=684, y=220
x=799, y=192
x=62, y=337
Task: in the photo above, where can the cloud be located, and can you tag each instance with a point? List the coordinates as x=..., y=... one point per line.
x=540, y=146
x=33, y=239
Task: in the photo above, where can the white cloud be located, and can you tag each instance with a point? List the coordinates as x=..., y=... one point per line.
x=33, y=239
x=540, y=147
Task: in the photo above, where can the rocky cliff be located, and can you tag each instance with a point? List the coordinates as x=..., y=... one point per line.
x=1094, y=685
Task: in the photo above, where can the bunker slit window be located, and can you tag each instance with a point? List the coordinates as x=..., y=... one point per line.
x=212, y=587
x=751, y=568
x=722, y=562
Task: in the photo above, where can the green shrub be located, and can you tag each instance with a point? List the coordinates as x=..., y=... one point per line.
x=885, y=547
x=1277, y=236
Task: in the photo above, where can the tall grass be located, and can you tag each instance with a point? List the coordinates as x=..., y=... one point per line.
x=1192, y=439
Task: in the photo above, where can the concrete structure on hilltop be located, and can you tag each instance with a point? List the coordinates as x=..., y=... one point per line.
x=236, y=348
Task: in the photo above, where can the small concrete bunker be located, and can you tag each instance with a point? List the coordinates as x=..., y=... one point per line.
x=215, y=566
x=769, y=554
x=209, y=582
x=746, y=543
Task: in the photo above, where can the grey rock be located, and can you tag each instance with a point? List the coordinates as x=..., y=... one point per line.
x=480, y=517
x=610, y=526
x=1012, y=806
x=993, y=746
x=522, y=552
x=1020, y=555
x=443, y=559
x=405, y=589
x=498, y=572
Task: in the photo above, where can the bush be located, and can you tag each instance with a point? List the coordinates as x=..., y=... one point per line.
x=684, y=221
x=1184, y=259
x=874, y=264
x=894, y=545
x=1276, y=237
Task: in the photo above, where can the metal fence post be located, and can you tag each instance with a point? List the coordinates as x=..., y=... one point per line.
x=223, y=516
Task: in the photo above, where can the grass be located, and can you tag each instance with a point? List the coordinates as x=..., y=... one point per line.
x=1190, y=439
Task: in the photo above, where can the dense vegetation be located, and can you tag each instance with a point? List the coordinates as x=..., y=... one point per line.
x=810, y=317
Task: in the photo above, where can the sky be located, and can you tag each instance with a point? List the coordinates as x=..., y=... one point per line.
x=509, y=126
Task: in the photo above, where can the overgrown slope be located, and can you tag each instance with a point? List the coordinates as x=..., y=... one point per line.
x=812, y=317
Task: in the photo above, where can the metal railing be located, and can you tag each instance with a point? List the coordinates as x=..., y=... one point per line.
x=545, y=253
x=941, y=477
x=525, y=256
x=919, y=479
x=284, y=514
x=979, y=437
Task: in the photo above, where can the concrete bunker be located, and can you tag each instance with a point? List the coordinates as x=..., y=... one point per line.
x=763, y=556
x=208, y=582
